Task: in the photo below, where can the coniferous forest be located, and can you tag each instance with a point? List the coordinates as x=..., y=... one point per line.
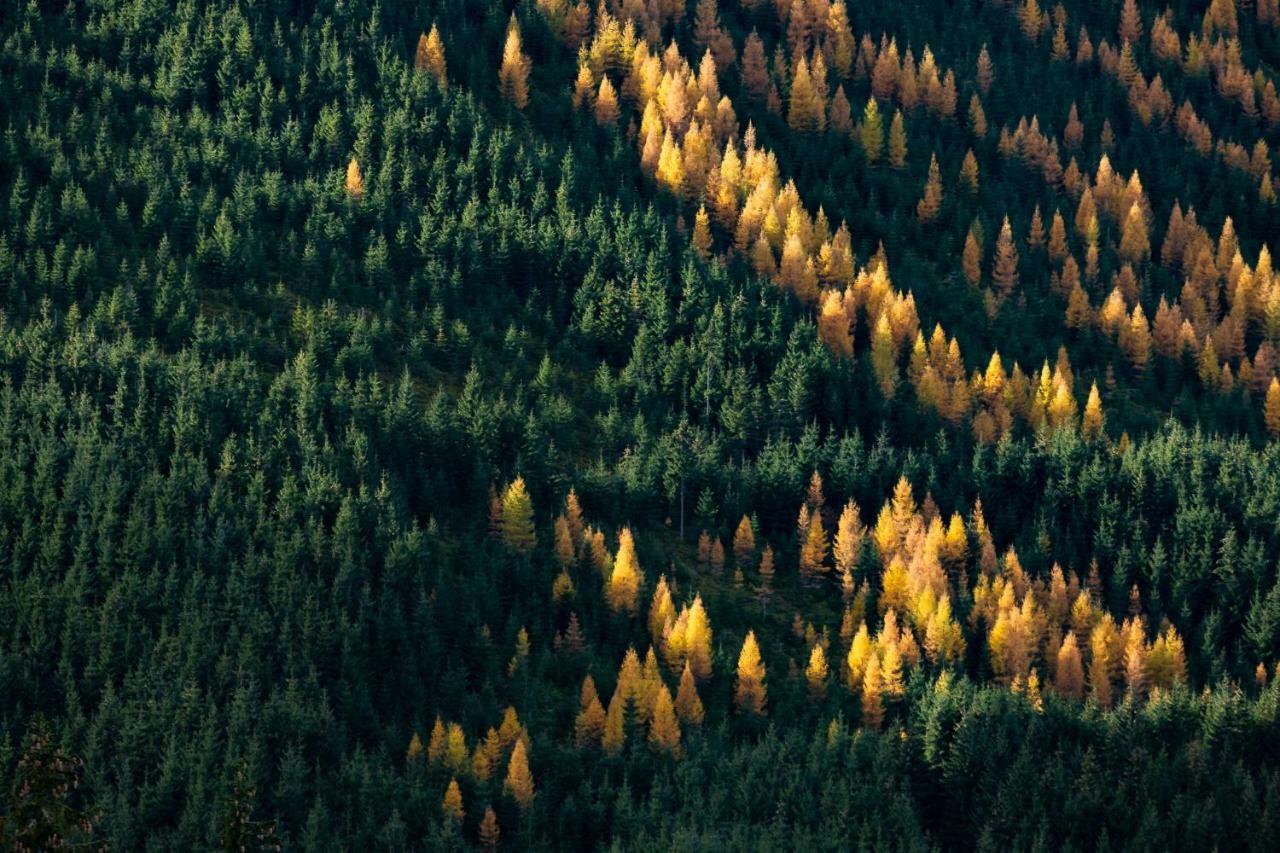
x=639, y=425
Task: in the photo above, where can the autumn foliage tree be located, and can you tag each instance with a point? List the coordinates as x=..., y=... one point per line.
x=513, y=73
x=429, y=56
x=750, y=694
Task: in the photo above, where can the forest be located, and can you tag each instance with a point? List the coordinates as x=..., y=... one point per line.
x=639, y=425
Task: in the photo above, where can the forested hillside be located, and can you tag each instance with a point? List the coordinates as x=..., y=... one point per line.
x=773, y=424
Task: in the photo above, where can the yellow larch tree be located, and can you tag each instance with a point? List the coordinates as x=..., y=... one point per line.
x=698, y=640
x=986, y=73
x=517, y=518
x=1135, y=244
x=513, y=73
x=884, y=357
x=625, y=581
x=897, y=142
x=662, y=611
x=688, y=705
x=701, y=239
x=615, y=725
x=451, y=806
x=834, y=328
x=519, y=781
x=871, y=132
x=436, y=744
x=588, y=727
x=429, y=56
x=840, y=121
x=1057, y=237
x=1092, y=423
x=1069, y=670
x=977, y=117
x=813, y=551
x=606, y=106
x=1271, y=408
x=931, y=202
x=1130, y=27
x=1031, y=20
x=564, y=548
x=850, y=533
x=806, y=110
x=971, y=260
x=354, y=183
x=1004, y=273
x=1104, y=659
x=750, y=694
x=860, y=653
x=816, y=672
x=744, y=544
x=872, y=694
x=664, y=729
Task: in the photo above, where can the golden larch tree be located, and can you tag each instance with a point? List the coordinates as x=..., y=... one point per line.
x=850, y=533
x=615, y=725
x=897, y=142
x=860, y=654
x=871, y=131
x=513, y=74
x=931, y=202
x=1092, y=423
x=1135, y=244
x=436, y=745
x=517, y=518
x=971, y=260
x=1057, y=237
x=755, y=71
x=841, y=119
x=744, y=544
x=977, y=117
x=1004, y=273
x=806, y=109
x=813, y=550
x=834, y=328
x=872, y=694
x=688, y=705
x=430, y=56
x=986, y=73
x=1271, y=408
x=624, y=582
x=1130, y=28
x=884, y=357
x=1031, y=20
x=816, y=672
x=354, y=183
x=519, y=781
x=750, y=694
x=701, y=239
x=664, y=729
x=606, y=106
x=588, y=727
x=451, y=806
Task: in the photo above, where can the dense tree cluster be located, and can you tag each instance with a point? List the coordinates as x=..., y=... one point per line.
x=446, y=425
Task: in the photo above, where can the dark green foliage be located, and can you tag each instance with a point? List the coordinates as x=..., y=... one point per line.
x=248, y=427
